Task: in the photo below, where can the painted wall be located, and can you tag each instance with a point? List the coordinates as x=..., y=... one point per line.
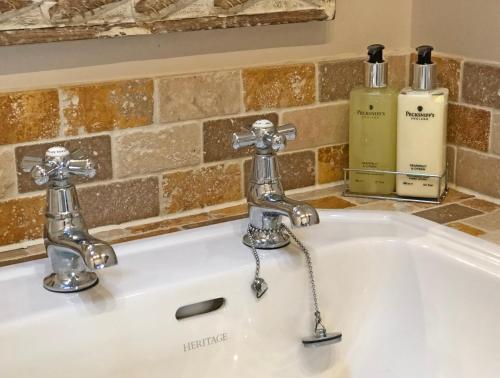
x=357, y=24
x=460, y=27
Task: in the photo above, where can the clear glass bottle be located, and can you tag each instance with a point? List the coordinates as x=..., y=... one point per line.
x=421, y=141
x=372, y=129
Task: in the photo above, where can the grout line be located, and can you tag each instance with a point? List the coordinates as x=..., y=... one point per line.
x=156, y=101
x=242, y=92
x=460, y=82
x=317, y=82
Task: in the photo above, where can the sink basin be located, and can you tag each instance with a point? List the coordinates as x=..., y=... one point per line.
x=412, y=299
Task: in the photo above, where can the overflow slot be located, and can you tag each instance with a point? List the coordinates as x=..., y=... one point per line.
x=199, y=308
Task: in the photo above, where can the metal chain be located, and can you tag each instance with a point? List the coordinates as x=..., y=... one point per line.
x=250, y=232
x=309, y=265
x=319, y=328
x=259, y=282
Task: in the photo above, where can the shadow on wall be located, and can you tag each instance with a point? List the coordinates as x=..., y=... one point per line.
x=60, y=55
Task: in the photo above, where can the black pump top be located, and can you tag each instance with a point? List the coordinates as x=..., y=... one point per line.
x=424, y=54
x=375, y=53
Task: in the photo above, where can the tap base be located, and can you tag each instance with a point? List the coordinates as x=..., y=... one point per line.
x=266, y=240
x=70, y=283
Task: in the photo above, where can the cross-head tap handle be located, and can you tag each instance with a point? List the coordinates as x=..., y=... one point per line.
x=265, y=136
x=57, y=164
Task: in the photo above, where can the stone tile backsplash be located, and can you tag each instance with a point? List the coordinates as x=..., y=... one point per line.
x=279, y=86
x=481, y=84
x=28, y=116
x=103, y=107
x=163, y=145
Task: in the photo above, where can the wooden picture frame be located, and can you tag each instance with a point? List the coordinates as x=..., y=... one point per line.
x=35, y=21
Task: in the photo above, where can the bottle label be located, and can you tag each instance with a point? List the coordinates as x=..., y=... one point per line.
x=419, y=114
x=370, y=113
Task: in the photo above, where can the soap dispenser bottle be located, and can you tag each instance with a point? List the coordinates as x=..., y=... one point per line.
x=421, y=140
x=372, y=129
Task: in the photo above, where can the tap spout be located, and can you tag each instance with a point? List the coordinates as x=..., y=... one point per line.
x=262, y=208
x=74, y=255
x=73, y=243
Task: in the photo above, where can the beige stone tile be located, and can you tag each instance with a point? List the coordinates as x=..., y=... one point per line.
x=478, y=172
x=148, y=151
x=480, y=84
x=488, y=222
x=21, y=219
x=338, y=78
x=331, y=163
x=96, y=148
x=119, y=202
x=481, y=205
x=466, y=228
x=201, y=187
x=107, y=106
x=469, y=127
x=448, y=213
x=7, y=173
x=28, y=116
x=217, y=136
x=199, y=95
x=495, y=133
x=297, y=170
x=324, y=125
x=279, y=86
x=397, y=71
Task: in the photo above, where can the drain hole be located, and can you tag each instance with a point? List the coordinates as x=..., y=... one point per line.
x=199, y=308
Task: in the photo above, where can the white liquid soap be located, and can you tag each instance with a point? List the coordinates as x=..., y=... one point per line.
x=421, y=131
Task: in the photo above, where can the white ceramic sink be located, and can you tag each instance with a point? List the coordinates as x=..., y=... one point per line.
x=412, y=298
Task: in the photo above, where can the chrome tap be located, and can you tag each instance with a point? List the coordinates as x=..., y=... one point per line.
x=267, y=202
x=73, y=253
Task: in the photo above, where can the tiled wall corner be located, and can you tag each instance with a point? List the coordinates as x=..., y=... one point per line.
x=473, y=121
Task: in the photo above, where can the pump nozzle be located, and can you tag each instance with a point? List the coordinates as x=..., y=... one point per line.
x=424, y=71
x=424, y=54
x=375, y=67
x=375, y=53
